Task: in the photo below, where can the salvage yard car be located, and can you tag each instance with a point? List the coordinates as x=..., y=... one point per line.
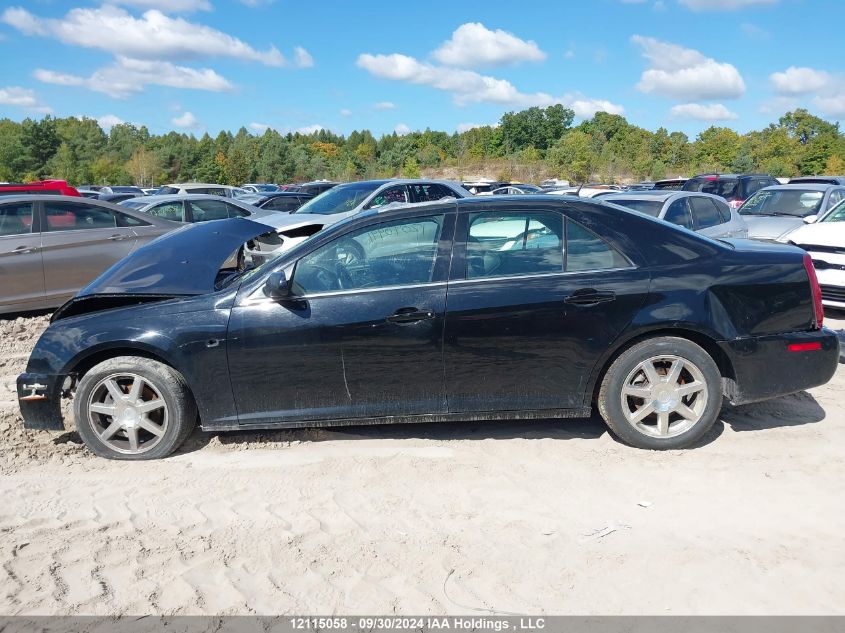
x=52, y=245
x=481, y=308
x=708, y=214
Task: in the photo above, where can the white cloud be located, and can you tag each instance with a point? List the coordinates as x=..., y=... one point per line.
x=22, y=98
x=828, y=89
x=171, y=6
x=310, y=129
x=108, y=121
x=384, y=105
x=153, y=36
x=703, y=112
x=186, y=120
x=753, y=31
x=473, y=44
x=345, y=112
x=128, y=76
x=800, y=80
x=722, y=5
x=467, y=86
x=302, y=58
x=401, y=129
x=684, y=73
x=260, y=128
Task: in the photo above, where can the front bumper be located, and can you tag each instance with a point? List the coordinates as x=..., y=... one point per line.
x=764, y=366
x=39, y=398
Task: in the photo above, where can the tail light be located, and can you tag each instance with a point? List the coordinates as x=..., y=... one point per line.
x=818, y=308
x=735, y=204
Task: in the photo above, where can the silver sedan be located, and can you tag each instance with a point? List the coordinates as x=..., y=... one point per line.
x=52, y=246
x=702, y=212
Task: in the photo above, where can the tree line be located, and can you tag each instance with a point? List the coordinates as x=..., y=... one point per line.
x=540, y=142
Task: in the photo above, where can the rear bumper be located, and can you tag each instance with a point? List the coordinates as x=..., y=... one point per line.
x=39, y=398
x=764, y=367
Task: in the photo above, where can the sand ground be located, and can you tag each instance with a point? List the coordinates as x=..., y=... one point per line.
x=533, y=517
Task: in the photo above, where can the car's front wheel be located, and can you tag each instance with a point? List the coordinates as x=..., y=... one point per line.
x=662, y=393
x=133, y=408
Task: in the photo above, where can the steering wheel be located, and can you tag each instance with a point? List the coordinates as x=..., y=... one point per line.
x=344, y=279
x=325, y=278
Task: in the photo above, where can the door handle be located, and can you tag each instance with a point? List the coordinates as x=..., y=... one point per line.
x=118, y=238
x=410, y=315
x=589, y=297
x=22, y=250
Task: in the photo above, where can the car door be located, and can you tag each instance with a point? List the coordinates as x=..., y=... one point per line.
x=706, y=217
x=79, y=241
x=21, y=271
x=359, y=337
x=527, y=318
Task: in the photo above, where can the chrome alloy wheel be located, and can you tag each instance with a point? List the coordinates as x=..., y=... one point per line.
x=127, y=413
x=664, y=396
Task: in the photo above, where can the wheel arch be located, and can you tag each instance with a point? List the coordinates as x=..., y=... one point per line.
x=80, y=365
x=703, y=340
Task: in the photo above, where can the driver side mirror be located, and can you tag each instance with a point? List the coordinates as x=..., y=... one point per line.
x=810, y=219
x=276, y=286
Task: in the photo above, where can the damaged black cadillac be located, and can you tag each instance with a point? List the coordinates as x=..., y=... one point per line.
x=482, y=309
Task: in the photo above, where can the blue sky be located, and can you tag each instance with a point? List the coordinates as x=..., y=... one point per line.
x=207, y=65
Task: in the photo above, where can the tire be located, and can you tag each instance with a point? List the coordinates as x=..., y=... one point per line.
x=131, y=396
x=662, y=413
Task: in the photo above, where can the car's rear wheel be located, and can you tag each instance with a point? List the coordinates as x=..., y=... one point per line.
x=662, y=393
x=133, y=408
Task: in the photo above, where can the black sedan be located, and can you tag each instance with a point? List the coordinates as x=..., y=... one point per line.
x=528, y=307
x=281, y=201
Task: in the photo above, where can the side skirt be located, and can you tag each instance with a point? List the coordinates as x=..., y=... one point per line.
x=477, y=416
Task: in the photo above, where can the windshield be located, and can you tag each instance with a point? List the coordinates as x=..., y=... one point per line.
x=649, y=207
x=339, y=199
x=798, y=203
x=836, y=214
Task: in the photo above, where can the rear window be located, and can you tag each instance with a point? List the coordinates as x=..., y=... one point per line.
x=649, y=207
x=727, y=188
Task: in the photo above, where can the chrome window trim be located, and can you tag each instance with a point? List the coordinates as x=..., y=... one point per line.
x=254, y=300
x=541, y=275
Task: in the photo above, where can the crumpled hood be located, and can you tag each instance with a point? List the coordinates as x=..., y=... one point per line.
x=821, y=234
x=770, y=227
x=182, y=262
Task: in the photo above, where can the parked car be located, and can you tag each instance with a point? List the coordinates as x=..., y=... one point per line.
x=735, y=188
x=516, y=189
x=316, y=187
x=121, y=189
x=259, y=187
x=817, y=180
x=150, y=191
x=281, y=201
x=825, y=242
x=774, y=212
x=117, y=198
x=709, y=215
x=646, y=185
x=190, y=208
x=52, y=187
x=586, y=191
x=51, y=246
x=651, y=324
x=482, y=187
x=344, y=201
x=225, y=191
x=89, y=193
x=670, y=184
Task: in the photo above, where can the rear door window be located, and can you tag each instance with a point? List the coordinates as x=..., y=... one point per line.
x=727, y=188
x=389, y=195
x=430, y=192
x=69, y=216
x=16, y=219
x=503, y=245
x=704, y=212
x=587, y=251
x=678, y=213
